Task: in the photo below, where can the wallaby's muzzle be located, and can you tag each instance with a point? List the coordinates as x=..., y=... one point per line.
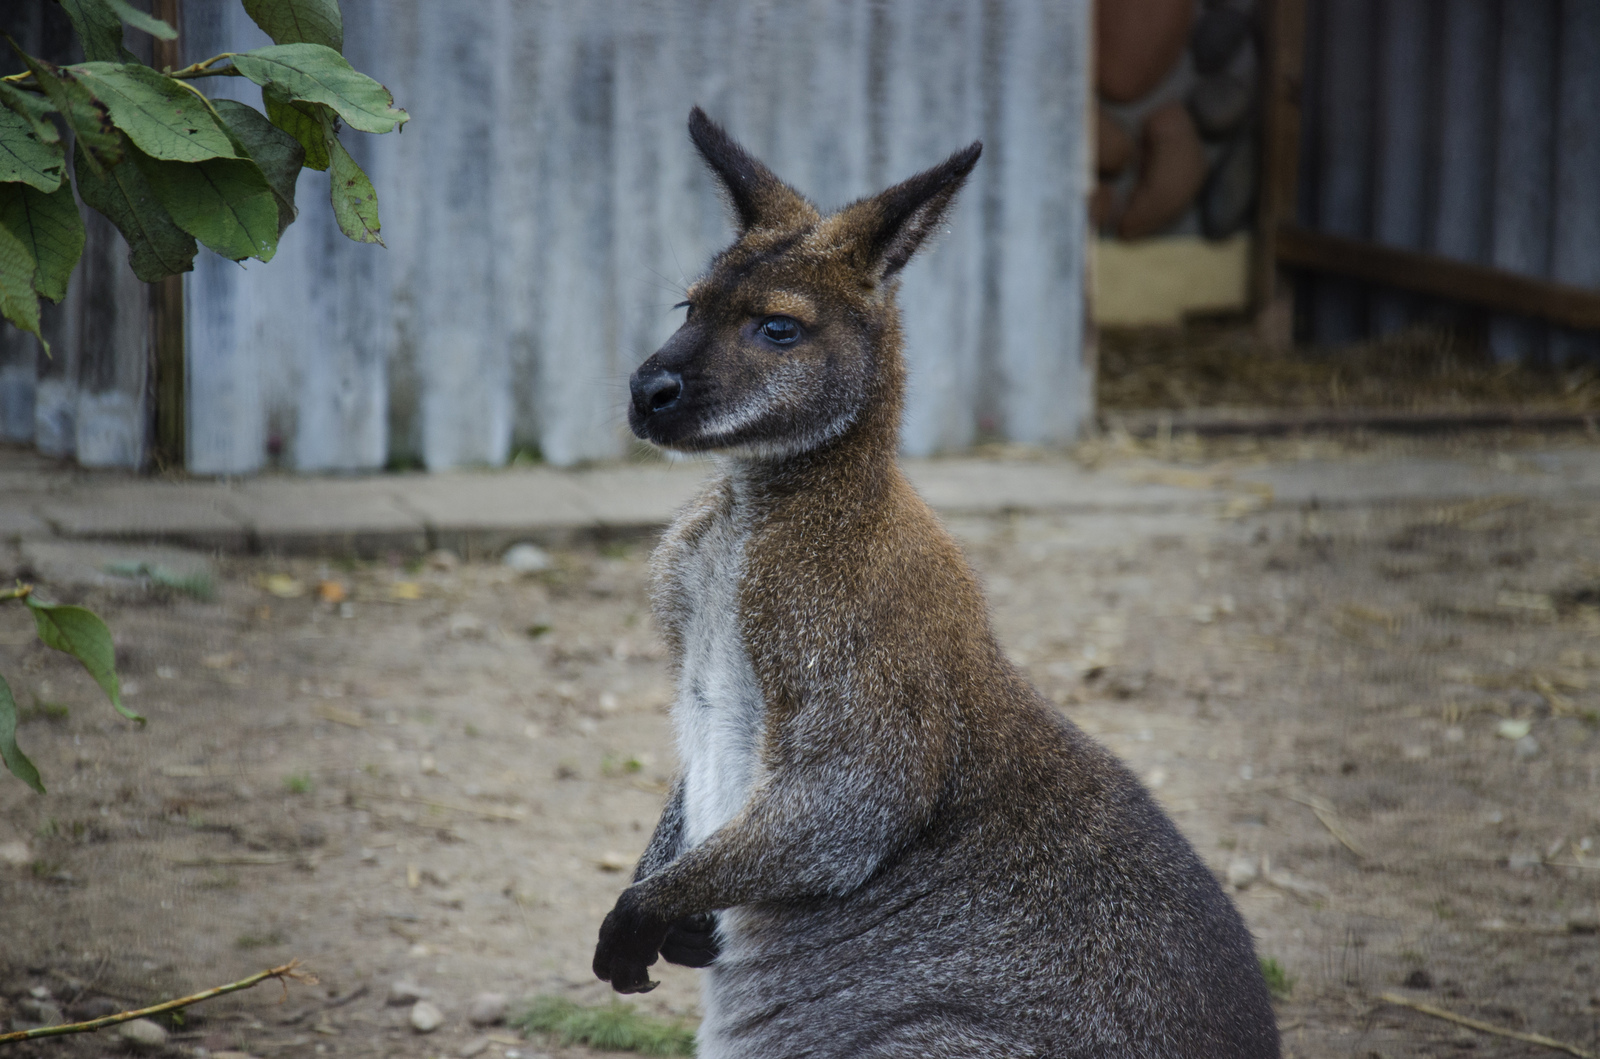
x=654, y=391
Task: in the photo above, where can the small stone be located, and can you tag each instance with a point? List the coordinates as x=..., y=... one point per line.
x=45, y=1012
x=476, y=1046
x=614, y=862
x=1513, y=729
x=95, y=1007
x=1242, y=871
x=527, y=558
x=425, y=1018
x=467, y=627
x=1217, y=36
x=1220, y=105
x=1419, y=979
x=442, y=559
x=487, y=1009
x=406, y=991
x=15, y=854
x=1526, y=747
x=143, y=1035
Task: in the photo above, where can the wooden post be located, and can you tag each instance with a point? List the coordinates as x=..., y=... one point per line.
x=1272, y=294
x=167, y=368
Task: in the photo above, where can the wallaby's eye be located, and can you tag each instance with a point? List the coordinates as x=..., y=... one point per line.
x=685, y=305
x=780, y=330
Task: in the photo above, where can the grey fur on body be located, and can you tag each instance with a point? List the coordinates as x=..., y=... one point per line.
x=989, y=928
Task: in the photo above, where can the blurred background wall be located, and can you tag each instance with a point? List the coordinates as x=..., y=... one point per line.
x=544, y=209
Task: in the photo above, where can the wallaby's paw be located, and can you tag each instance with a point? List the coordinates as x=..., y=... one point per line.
x=692, y=942
x=630, y=941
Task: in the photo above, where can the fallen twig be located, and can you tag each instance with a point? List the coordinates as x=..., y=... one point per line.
x=474, y=810
x=1486, y=1027
x=288, y=971
x=1328, y=816
x=233, y=860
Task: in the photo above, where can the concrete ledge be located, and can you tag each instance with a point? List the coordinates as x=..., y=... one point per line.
x=196, y=514
x=479, y=514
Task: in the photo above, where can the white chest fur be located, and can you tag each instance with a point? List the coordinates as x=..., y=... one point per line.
x=719, y=712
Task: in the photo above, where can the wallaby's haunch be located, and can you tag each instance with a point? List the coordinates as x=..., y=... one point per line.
x=884, y=842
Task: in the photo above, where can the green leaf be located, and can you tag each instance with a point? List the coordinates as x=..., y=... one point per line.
x=34, y=109
x=299, y=21
x=316, y=73
x=99, y=27
x=162, y=116
x=88, y=118
x=157, y=247
x=50, y=227
x=10, y=752
x=303, y=121
x=279, y=155
x=80, y=633
x=139, y=20
x=355, y=204
x=226, y=203
x=25, y=158
x=18, y=302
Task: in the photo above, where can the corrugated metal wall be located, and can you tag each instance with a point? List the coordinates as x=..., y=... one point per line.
x=544, y=209
x=1466, y=128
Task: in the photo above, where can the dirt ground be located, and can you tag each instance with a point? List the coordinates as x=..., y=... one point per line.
x=1381, y=725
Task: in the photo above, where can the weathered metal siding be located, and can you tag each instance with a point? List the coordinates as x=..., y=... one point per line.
x=89, y=400
x=544, y=209
x=1465, y=128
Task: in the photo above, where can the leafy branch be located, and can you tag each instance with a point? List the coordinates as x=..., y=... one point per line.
x=76, y=631
x=173, y=169
x=170, y=167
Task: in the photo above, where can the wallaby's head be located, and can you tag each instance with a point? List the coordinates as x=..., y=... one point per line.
x=791, y=337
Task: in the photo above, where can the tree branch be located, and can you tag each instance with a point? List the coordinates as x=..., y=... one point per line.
x=282, y=974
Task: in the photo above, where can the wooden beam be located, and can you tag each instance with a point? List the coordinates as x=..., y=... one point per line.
x=1491, y=288
x=1280, y=157
x=167, y=364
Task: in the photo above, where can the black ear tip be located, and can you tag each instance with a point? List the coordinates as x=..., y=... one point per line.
x=968, y=156
x=703, y=131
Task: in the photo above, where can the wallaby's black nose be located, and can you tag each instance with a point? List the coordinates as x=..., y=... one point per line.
x=655, y=392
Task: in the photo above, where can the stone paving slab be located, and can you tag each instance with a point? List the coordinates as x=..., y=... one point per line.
x=480, y=513
x=19, y=520
x=1398, y=481
x=188, y=513
x=362, y=515
x=977, y=486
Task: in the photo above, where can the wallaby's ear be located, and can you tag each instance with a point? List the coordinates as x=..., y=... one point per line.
x=886, y=229
x=758, y=197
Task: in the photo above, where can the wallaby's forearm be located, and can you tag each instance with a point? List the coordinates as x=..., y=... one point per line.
x=667, y=841
x=822, y=832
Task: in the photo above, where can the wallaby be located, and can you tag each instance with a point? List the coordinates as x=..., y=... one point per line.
x=884, y=841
